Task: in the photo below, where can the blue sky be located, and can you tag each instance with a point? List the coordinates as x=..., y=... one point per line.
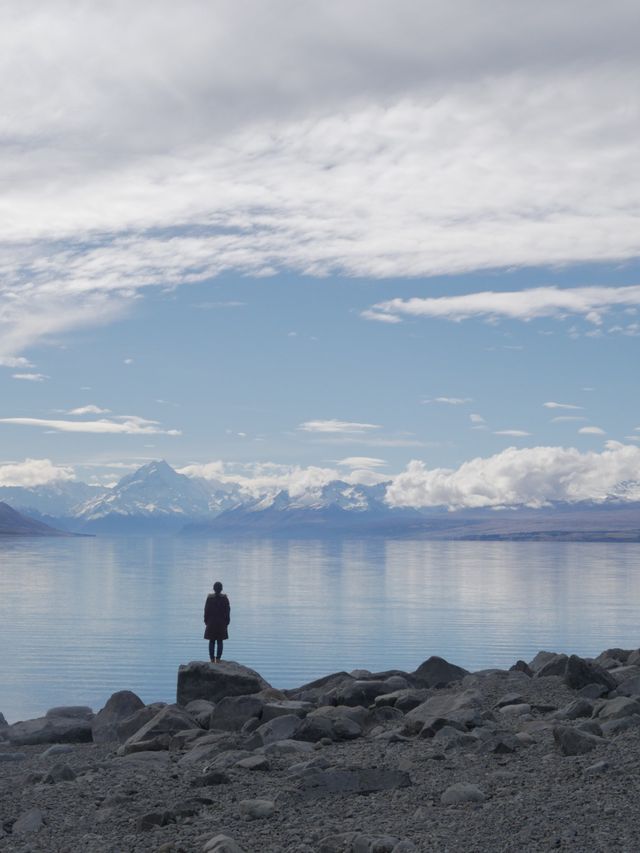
x=211, y=260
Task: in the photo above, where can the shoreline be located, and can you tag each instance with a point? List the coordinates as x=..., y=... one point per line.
x=535, y=757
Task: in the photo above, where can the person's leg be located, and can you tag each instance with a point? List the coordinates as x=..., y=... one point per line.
x=220, y=647
x=212, y=645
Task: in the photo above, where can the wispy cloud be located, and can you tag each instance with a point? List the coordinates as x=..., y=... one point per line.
x=514, y=433
x=451, y=401
x=337, y=426
x=122, y=425
x=589, y=302
x=591, y=430
x=552, y=405
x=30, y=377
x=33, y=472
x=90, y=409
x=361, y=462
x=186, y=158
x=567, y=418
x=476, y=419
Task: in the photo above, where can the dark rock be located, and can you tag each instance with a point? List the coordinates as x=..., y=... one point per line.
x=3, y=722
x=592, y=691
x=634, y=658
x=71, y=712
x=256, y=809
x=499, y=744
x=222, y=844
x=620, y=655
x=168, y=721
x=152, y=744
x=620, y=724
x=437, y=672
x=451, y=738
x=213, y=682
x=554, y=666
x=59, y=773
x=189, y=807
x=119, y=706
x=462, y=792
x=150, y=820
x=28, y=822
x=212, y=777
x=575, y=742
x=7, y=757
x=596, y=769
x=578, y=708
x=280, y=728
x=623, y=673
x=254, y=762
x=629, y=687
x=335, y=723
x=590, y=726
x=232, y=712
x=579, y=673
x=541, y=659
x=509, y=699
x=445, y=705
x=58, y=749
x=50, y=729
x=521, y=666
x=284, y=707
x=130, y=725
x=356, y=693
x=614, y=709
x=357, y=780
x=316, y=690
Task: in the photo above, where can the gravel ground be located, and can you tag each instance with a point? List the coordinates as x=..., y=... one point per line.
x=534, y=798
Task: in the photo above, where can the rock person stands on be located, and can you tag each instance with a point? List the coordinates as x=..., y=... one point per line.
x=217, y=615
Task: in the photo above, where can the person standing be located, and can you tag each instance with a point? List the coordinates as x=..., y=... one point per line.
x=217, y=615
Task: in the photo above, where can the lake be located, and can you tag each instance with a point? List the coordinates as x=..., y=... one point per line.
x=82, y=618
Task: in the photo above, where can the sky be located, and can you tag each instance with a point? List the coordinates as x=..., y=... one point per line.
x=293, y=241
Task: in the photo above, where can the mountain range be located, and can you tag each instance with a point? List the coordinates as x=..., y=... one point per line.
x=13, y=523
x=157, y=499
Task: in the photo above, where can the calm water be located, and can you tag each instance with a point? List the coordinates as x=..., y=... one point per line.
x=81, y=618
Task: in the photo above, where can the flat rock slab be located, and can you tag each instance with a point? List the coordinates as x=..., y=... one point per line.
x=357, y=780
x=214, y=681
x=50, y=729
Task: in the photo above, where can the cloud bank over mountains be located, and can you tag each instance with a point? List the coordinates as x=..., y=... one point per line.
x=156, y=145
x=532, y=477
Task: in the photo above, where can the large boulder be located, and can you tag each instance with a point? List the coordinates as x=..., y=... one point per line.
x=169, y=721
x=232, y=712
x=437, y=672
x=336, y=723
x=356, y=693
x=104, y=726
x=320, y=690
x=572, y=741
x=215, y=681
x=556, y=665
x=615, y=709
x=457, y=707
x=130, y=725
x=280, y=728
x=579, y=672
x=3, y=723
x=59, y=725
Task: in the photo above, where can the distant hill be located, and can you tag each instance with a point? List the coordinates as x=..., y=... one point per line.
x=13, y=523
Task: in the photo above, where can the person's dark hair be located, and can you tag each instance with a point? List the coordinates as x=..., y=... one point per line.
x=217, y=587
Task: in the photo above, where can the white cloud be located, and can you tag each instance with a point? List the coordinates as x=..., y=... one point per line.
x=361, y=462
x=532, y=476
x=9, y=361
x=566, y=418
x=336, y=426
x=124, y=425
x=153, y=145
x=30, y=377
x=589, y=302
x=591, y=430
x=514, y=433
x=90, y=409
x=451, y=401
x=476, y=418
x=552, y=405
x=33, y=472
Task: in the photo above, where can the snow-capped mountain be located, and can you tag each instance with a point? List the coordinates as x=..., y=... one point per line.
x=60, y=499
x=153, y=497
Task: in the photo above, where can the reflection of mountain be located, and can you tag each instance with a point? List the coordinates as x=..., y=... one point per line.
x=156, y=499
x=13, y=523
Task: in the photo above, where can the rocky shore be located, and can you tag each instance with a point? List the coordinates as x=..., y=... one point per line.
x=542, y=756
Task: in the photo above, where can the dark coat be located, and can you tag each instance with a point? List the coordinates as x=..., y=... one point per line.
x=217, y=615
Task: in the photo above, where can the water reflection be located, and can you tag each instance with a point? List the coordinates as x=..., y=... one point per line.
x=82, y=618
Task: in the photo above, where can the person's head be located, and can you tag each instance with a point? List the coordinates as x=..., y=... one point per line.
x=217, y=587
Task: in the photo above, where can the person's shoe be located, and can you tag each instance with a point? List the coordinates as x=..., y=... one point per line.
x=213, y=660
x=217, y=660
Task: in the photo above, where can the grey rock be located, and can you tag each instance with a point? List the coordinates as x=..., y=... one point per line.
x=213, y=682
x=225, y=760
x=509, y=699
x=206, y=748
x=591, y=727
x=620, y=724
x=575, y=742
x=619, y=655
x=541, y=659
x=614, y=709
x=222, y=844
x=168, y=721
x=211, y=778
x=12, y=756
x=187, y=738
x=515, y=710
x=119, y=706
x=287, y=747
x=199, y=706
x=254, y=762
x=634, y=658
x=444, y=705
x=596, y=769
x=374, y=844
x=578, y=708
x=579, y=673
x=150, y=820
x=357, y=780
x=629, y=687
x=28, y=822
x=256, y=809
x=450, y=738
x=521, y=666
x=624, y=673
x=501, y=744
x=356, y=693
x=285, y=707
x=437, y=672
x=592, y=691
x=335, y=723
x=50, y=729
x=3, y=722
x=152, y=744
x=59, y=773
x=462, y=792
x=57, y=749
x=403, y=700
x=232, y=712
x=554, y=666
x=72, y=712
x=279, y=728
x=130, y=725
